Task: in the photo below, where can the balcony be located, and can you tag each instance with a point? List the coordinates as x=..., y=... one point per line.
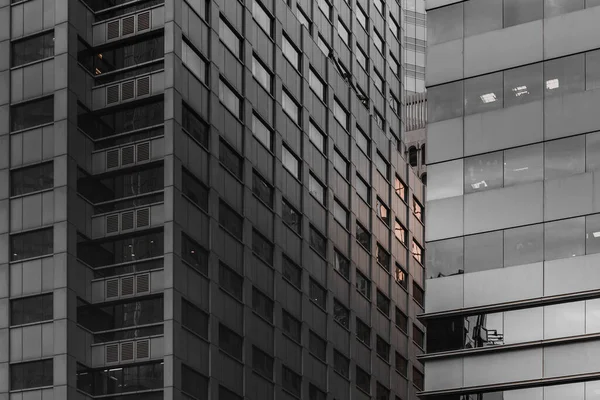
x=127, y=90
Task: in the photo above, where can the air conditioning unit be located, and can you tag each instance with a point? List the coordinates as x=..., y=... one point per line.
x=128, y=155
x=127, y=286
x=127, y=221
x=129, y=351
x=128, y=25
x=128, y=90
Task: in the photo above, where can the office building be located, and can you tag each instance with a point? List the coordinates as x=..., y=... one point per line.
x=206, y=199
x=513, y=230
x=415, y=34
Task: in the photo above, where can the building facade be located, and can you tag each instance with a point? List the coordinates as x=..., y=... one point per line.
x=513, y=235
x=206, y=200
x=415, y=30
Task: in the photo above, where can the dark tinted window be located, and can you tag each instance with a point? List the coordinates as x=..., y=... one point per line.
x=383, y=303
x=231, y=281
x=318, y=242
x=341, y=364
x=418, y=294
x=401, y=320
x=31, y=374
x=134, y=378
x=315, y=393
x=317, y=345
x=400, y=276
x=291, y=326
x=382, y=393
x=230, y=342
x=363, y=332
x=262, y=189
x=341, y=264
x=383, y=257
x=33, y=48
x=363, y=237
x=31, y=179
x=363, y=380
x=123, y=314
x=195, y=190
x=31, y=309
x=194, y=125
x=383, y=348
x=418, y=336
x=32, y=244
x=194, y=319
x=418, y=378
x=291, y=381
x=262, y=362
x=262, y=247
x=231, y=220
x=291, y=217
x=108, y=252
x=231, y=160
x=291, y=272
x=341, y=314
x=401, y=364
x=194, y=254
x=33, y=113
x=318, y=294
x=262, y=305
x=226, y=394
x=193, y=383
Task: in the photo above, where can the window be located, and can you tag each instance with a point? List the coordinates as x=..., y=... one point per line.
x=401, y=320
x=564, y=157
x=291, y=217
x=194, y=125
x=290, y=52
x=291, y=326
x=340, y=114
x=418, y=379
x=417, y=251
x=315, y=394
x=400, y=232
x=564, y=238
x=193, y=254
x=193, y=383
x=592, y=72
x=383, y=349
x=318, y=242
x=231, y=220
x=484, y=93
x=401, y=276
x=523, y=84
x=290, y=107
x=291, y=272
x=303, y=19
x=33, y=48
x=341, y=264
x=28, y=310
x=445, y=101
x=363, y=142
x=383, y=303
x=193, y=61
x=229, y=99
x=482, y=16
x=344, y=33
x=564, y=75
x=378, y=118
x=231, y=281
x=340, y=164
x=262, y=247
x=418, y=294
x=394, y=27
x=262, y=132
x=378, y=80
x=394, y=64
x=316, y=188
x=361, y=58
x=194, y=319
x=231, y=160
x=363, y=332
x=33, y=113
x=262, y=18
x=382, y=211
x=363, y=189
x=340, y=214
x=226, y=394
x=363, y=285
x=261, y=73
x=32, y=244
x=291, y=381
x=378, y=5
x=230, y=342
x=401, y=364
x=31, y=375
x=32, y=179
x=290, y=162
x=418, y=336
x=316, y=137
x=325, y=7
x=341, y=314
x=417, y=210
x=382, y=393
x=262, y=305
x=317, y=346
x=362, y=18
x=194, y=190
x=383, y=257
x=378, y=41
x=341, y=364
x=394, y=103
x=363, y=380
x=445, y=24
x=262, y=363
x=325, y=48
x=521, y=11
x=316, y=84
x=318, y=294
x=262, y=189
x=363, y=236
x=230, y=38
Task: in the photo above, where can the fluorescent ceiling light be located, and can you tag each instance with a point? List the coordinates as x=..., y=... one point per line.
x=478, y=185
x=552, y=84
x=488, y=97
x=520, y=90
x=596, y=234
x=521, y=169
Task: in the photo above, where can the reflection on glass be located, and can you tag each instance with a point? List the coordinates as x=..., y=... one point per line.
x=564, y=75
x=445, y=24
x=445, y=101
x=524, y=84
x=592, y=69
x=444, y=258
x=482, y=16
x=563, y=239
x=524, y=245
x=592, y=152
x=521, y=11
x=592, y=234
x=553, y=8
x=564, y=157
x=523, y=164
x=563, y=320
x=483, y=93
x=483, y=252
x=483, y=172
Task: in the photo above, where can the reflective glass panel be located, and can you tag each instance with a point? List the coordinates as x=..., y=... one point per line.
x=553, y=8
x=564, y=239
x=445, y=24
x=564, y=75
x=592, y=152
x=483, y=93
x=592, y=69
x=482, y=16
x=524, y=245
x=483, y=172
x=445, y=101
x=524, y=164
x=564, y=157
x=521, y=11
x=444, y=258
x=523, y=84
x=592, y=234
x=483, y=252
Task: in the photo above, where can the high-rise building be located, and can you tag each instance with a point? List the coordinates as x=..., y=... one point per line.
x=513, y=230
x=206, y=199
x=415, y=34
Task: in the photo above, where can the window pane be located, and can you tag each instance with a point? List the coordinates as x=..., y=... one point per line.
x=361, y=57
x=316, y=189
x=194, y=125
x=32, y=244
x=399, y=232
x=303, y=19
x=482, y=16
x=483, y=252
x=564, y=157
x=229, y=38
x=564, y=75
x=342, y=265
x=557, y=7
x=522, y=85
x=523, y=164
x=291, y=381
x=361, y=17
x=289, y=106
x=363, y=237
x=325, y=7
x=261, y=74
x=363, y=380
x=290, y=53
x=231, y=160
x=318, y=294
x=340, y=114
x=401, y=320
x=340, y=214
x=317, y=242
x=315, y=394
x=564, y=239
x=520, y=11
x=592, y=152
x=32, y=179
x=445, y=101
x=363, y=285
x=483, y=93
x=262, y=362
x=523, y=245
x=341, y=314
x=262, y=189
x=400, y=276
x=262, y=18
x=382, y=165
x=292, y=272
x=316, y=84
x=341, y=364
x=483, y=172
x=262, y=247
x=343, y=32
x=363, y=332
x=229, y=99
x=193, y=254
x=592, y=69
x=382, y=348
x=592, y=234
x=377, y=41
x=194, y=319
x=383, y=303
x=231, y=281
x=262, y=132
x=445, y=258
x=362, y=189
x=33, y=113
x=362, y=141
x=340, y=164
x=290, y=162
x=194, y=190
x=33, y=49
x=262, y=305
x=445, y=24
x=291, y=217
x=316, y=137
x=230, y=342
x=31, y=374
x=291, y=326
x=191, y=59
x=32, y=309
x=323, y=45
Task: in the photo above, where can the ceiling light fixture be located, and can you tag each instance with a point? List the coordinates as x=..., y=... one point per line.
x=488, y=97
x=552, y=84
